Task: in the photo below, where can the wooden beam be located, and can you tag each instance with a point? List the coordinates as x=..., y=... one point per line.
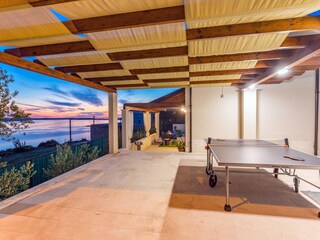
x=297, y=42
x=90, y=68
x=305, y=67
x=226, y=72
x=112, y=66
x=40, y=3
x=282, y=25
x=271, y=55
x=260, y=64
x=183, y=51
x=31, y=66
x=152, y=53
x=85, y=46
x=311, y=61
x=298, y=72
x=109, y=79
x=129, y=85
x=127, y=107
x=160, y=70
x=155, y=105
x=265, y=63
x=52, y=49
x=218, y=81
x=303, y=55
x=128, y=20
x=37, y=61
x=166, y=80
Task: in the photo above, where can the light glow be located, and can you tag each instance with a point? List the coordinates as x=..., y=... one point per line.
x=253, y=86
x=283, y=71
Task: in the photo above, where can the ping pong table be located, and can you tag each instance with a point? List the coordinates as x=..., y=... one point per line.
x=257, y=154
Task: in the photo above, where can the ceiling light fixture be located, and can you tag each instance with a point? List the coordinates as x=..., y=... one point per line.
x=283, y=71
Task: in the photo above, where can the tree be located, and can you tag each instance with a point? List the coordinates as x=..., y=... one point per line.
x=15, y=180
x=66, y=159
x=12, y=118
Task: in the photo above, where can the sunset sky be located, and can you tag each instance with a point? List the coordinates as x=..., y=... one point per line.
x=49, y=97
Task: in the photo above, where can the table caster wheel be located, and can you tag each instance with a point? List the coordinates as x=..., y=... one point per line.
x=227, y=208
x=276, y=171
x=296, y=182
x=213, y=180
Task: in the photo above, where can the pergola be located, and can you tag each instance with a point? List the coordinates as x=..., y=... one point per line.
x=112, y=45
x=174, y=100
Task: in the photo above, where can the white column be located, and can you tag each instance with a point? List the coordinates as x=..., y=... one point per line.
x=130, y=126
x=240, y=112
x=249, y=114
x=124, y=124
x=188, y=119
x=157, y=125
x=113, y=123
x=147, y=122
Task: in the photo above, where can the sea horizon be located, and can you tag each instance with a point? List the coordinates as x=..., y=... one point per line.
x=44, y=129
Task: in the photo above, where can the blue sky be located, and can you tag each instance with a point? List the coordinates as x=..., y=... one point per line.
x=44, y=96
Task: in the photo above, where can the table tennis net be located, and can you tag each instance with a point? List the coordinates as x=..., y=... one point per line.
x=244, y=143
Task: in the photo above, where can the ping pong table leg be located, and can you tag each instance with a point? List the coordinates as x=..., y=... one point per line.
x=208, y=162
x=227, y=207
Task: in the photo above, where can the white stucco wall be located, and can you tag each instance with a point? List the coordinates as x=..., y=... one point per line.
x=282, y=110
x=287, y=110
x=213, y=116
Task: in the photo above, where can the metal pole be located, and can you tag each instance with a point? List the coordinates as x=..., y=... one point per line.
x=316, y=123
x=227, y=207
x=70, y=136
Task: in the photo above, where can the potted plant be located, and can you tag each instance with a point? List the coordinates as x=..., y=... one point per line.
x=138, y=144
x=181, y=145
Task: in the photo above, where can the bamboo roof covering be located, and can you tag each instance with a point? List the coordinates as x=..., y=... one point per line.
x=110, y=45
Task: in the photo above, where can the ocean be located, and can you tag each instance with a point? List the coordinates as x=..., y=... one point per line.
x=58, y=129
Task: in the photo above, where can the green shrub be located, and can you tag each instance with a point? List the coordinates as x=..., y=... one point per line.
x=138, y=135
x=20, y=147
x=174, y=142
x=181, y=145
x=49, y=143
x=152, y=130
x=15, y=180
x=3, y=164
x=66, y=160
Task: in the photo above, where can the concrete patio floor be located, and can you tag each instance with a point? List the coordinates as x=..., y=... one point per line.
x=157, y=195
x=156, y=148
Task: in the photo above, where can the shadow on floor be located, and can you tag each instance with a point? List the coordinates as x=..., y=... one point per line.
x=250, y=193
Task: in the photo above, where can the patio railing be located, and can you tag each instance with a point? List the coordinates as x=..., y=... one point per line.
x=42, y=162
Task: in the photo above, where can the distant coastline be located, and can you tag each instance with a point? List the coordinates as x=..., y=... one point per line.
x=72, y=118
